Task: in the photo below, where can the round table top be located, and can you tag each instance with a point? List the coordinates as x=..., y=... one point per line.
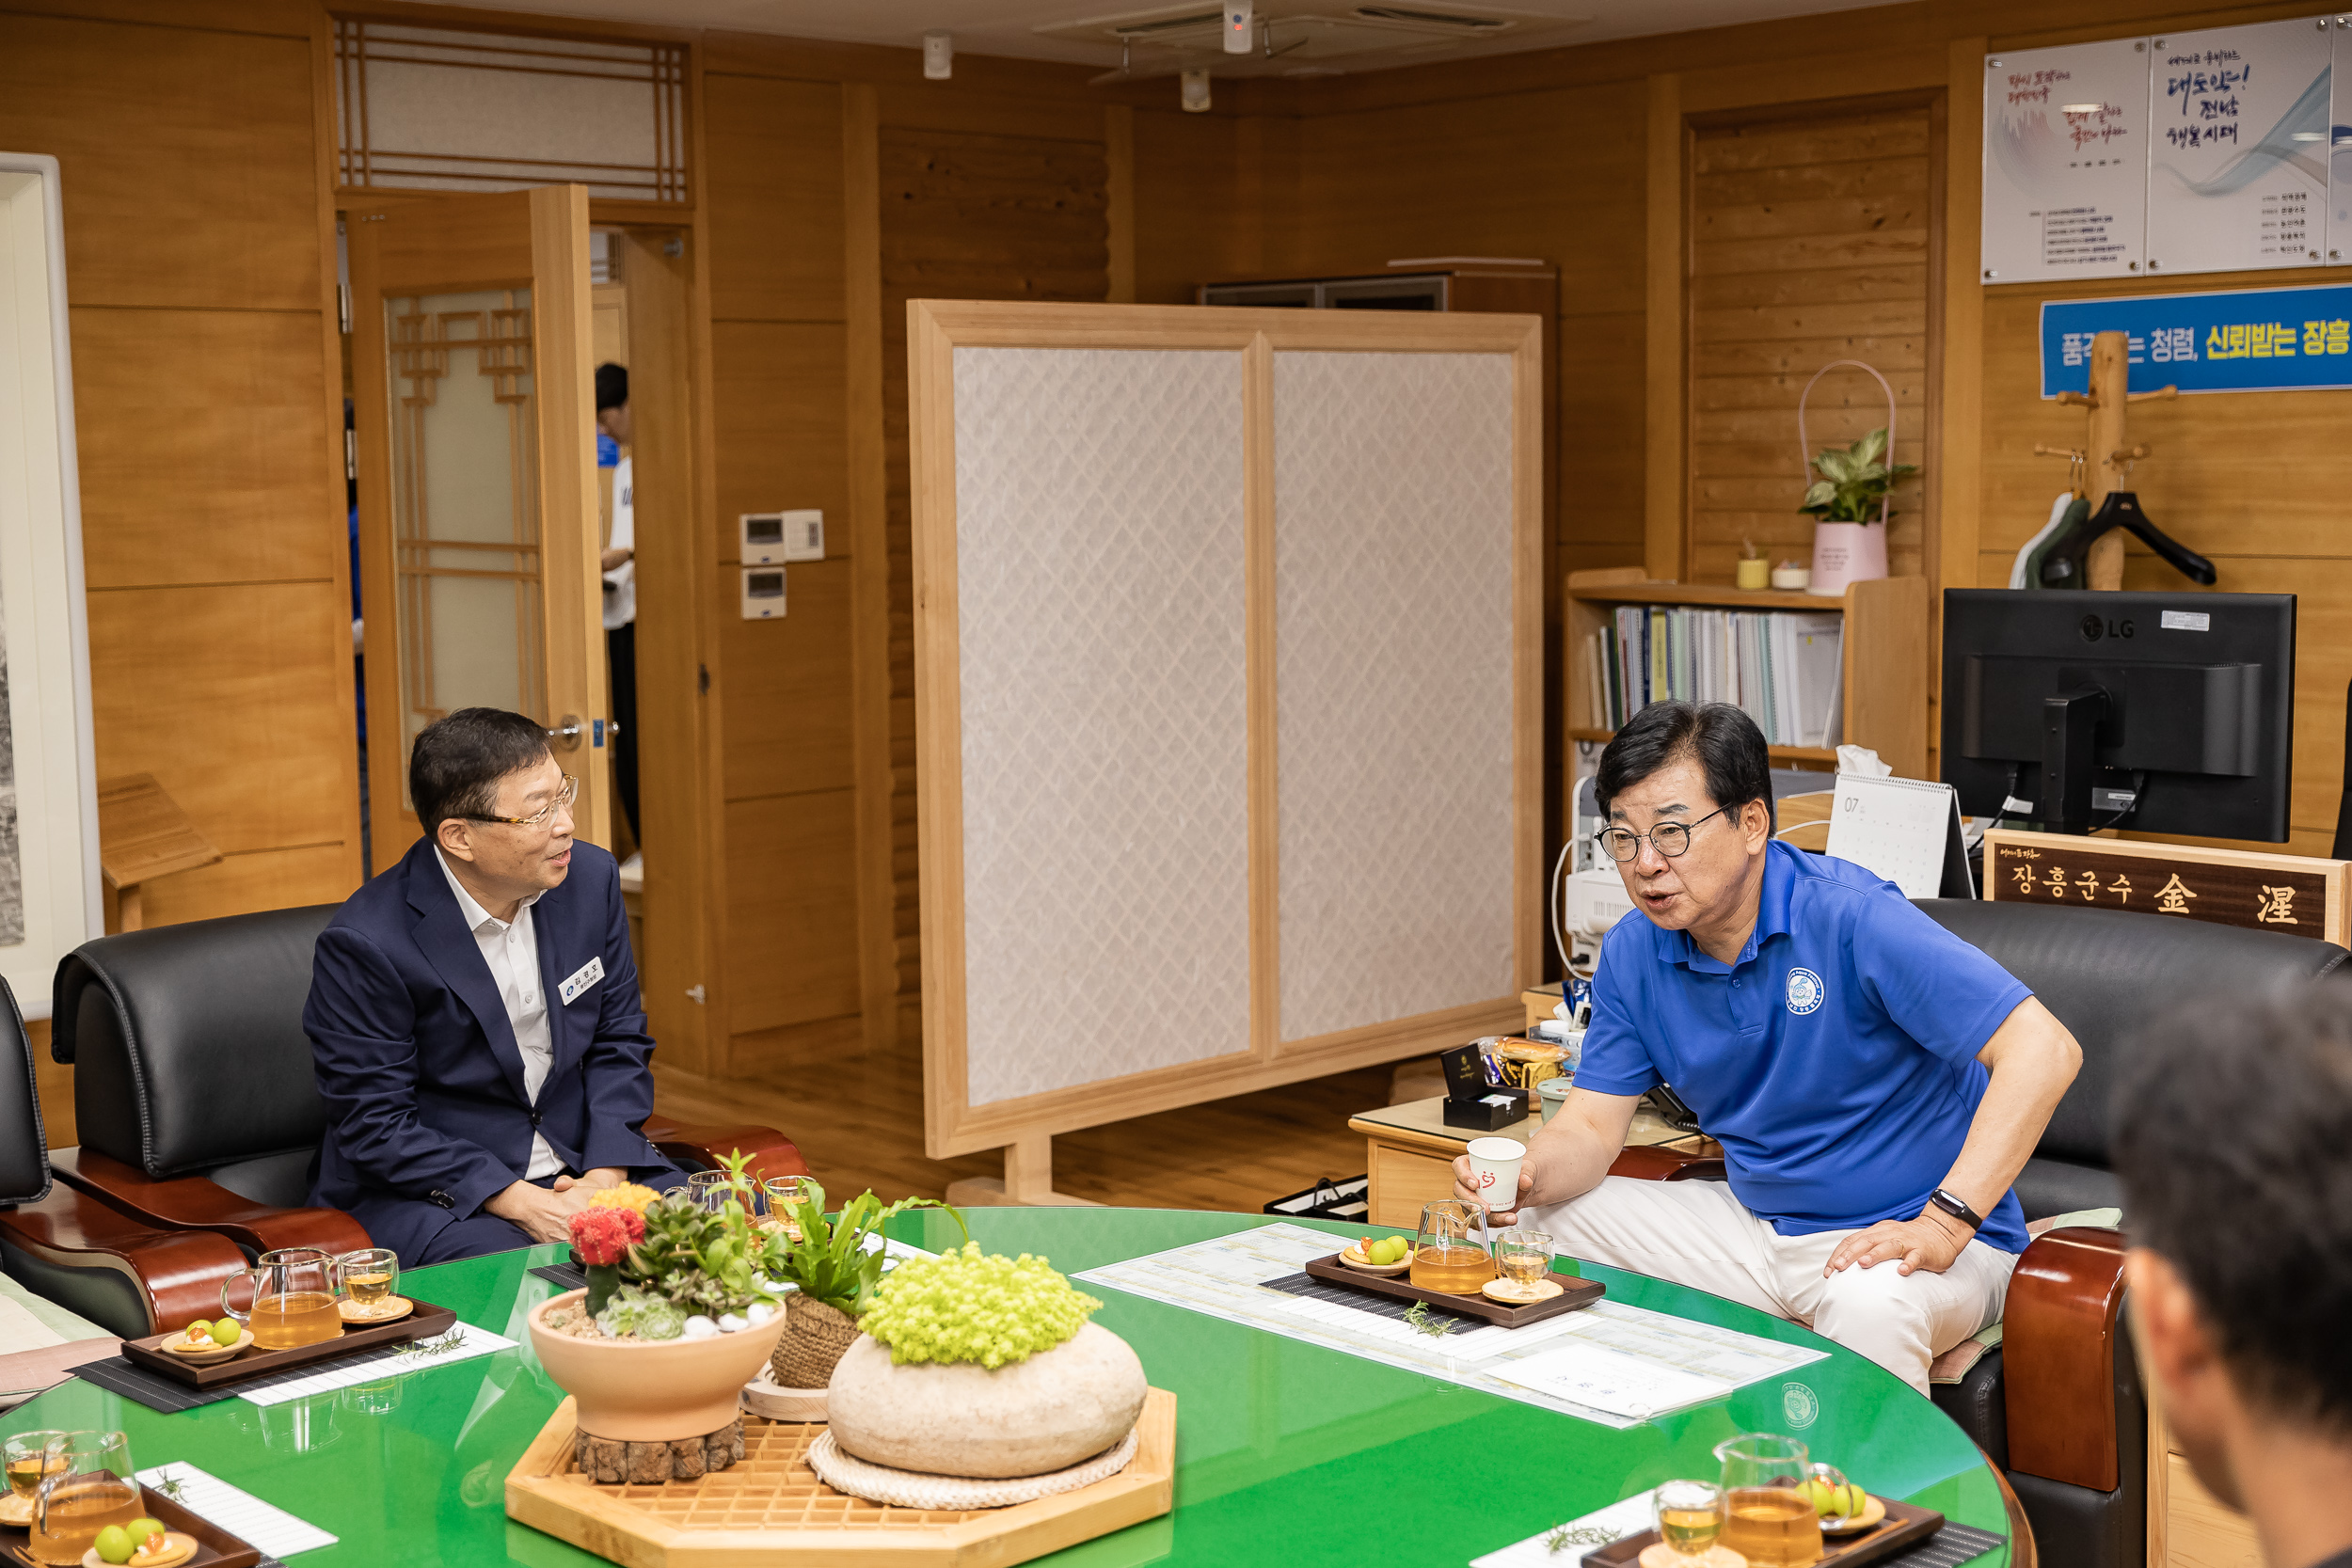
x=1287, y=1451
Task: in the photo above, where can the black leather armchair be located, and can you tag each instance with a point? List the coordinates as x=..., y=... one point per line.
x=127, y=1276
x=195, y=1092
x=2058, y=1405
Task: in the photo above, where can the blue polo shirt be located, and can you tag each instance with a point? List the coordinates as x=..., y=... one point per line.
x=1835, y=1061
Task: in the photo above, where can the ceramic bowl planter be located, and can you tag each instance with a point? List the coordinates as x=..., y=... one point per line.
x=652, y=1392
x=1025, y=1419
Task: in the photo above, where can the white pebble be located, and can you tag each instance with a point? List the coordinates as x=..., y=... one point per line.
x=733, y=1324
x=758, y=1313
x=700, y=1327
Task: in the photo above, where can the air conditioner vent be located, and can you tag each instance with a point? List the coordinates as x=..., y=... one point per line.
x=1453, y=21
x=1167, y=24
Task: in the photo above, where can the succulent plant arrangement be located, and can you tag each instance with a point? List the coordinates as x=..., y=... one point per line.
x=985, y=1310
x=668, y=1268
x=831, y=1262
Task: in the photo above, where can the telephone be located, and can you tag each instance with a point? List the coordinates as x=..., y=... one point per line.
x=1671, y=1109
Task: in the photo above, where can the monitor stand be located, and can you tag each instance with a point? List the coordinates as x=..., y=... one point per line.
x=2070, y=726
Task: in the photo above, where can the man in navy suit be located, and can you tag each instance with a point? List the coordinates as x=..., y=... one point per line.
x=474, y=1013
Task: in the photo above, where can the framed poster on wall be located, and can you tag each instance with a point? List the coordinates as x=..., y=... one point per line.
x=2238, y=146
x=2066, y=160
x=49, y=886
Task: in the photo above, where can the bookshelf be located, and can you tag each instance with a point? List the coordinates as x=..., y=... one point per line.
x=1884, y=655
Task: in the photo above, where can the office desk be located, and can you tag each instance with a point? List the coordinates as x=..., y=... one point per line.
x=1286, y=1452
x=1409, y=1152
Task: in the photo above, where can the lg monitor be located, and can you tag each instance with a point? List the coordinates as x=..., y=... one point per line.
x=2169, y=713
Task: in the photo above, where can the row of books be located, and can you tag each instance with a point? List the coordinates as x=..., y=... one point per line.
x=1784, y=667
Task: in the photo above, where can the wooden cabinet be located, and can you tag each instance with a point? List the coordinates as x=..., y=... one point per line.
x=1886, y=657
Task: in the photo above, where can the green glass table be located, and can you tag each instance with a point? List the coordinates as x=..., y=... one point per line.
x=1285, y=1451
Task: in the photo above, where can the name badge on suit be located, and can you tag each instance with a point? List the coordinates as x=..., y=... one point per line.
x=581, y=978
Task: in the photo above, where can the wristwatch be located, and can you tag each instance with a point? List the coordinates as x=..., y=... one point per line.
x=1958, y=1208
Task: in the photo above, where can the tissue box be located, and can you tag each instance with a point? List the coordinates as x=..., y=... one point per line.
x=1490, y=1113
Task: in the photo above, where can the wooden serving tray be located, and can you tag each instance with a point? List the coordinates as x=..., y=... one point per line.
x=423, y=1323
x=769, y=1510
x=215, y=1547
x=1904, y=1528
x=1573, y=1295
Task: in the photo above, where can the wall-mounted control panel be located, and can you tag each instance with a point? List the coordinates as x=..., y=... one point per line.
x=763, y=592
x=772, y=538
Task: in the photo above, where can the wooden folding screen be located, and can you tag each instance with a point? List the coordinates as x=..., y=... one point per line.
x=1228, y=738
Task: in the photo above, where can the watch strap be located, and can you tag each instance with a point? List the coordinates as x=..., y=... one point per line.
x=1957, y=1207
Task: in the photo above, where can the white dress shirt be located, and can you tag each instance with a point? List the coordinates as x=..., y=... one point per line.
x=511, y=951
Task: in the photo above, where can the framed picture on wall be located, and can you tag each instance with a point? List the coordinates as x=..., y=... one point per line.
x=50, y=899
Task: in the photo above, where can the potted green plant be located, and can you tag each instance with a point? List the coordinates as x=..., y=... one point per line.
x=676, y=1318
x=834, y=1268
x=988, y=1366
x=1852, y=500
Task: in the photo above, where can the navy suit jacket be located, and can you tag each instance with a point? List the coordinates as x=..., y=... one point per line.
x=427, y=1116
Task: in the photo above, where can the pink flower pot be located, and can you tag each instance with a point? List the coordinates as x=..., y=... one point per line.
x=652, y=1393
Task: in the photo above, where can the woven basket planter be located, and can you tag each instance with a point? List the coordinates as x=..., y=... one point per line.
x=815, y=1339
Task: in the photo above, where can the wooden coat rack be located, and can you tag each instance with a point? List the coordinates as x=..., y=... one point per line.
x=2106, y=455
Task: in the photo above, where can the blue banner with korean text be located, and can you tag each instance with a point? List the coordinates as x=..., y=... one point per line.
x=2237, y=340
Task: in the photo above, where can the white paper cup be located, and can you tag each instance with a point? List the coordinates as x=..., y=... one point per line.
x=1495, y=1166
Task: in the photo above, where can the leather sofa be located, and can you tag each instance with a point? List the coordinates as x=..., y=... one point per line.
x=98, y=1262
x=194, y=1088
x=2057, y=1404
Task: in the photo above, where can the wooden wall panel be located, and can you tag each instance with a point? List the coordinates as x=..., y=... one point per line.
x=200, y=433
x=189, y=179
x=787, y=719
x=790, y=952
x=781, y=425
x=964, y=216
x=213, y=531
x=1809, y=238
x=773, y=184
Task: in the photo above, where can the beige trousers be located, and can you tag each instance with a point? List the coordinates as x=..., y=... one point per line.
x=1696, y=1233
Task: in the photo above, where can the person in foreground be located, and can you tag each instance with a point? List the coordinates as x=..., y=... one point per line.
x=2233, y=1135
x=1876, y=1082
x=474, y=1014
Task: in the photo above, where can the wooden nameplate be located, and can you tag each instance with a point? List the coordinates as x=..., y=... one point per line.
x=1905, y=1526
x=769, y=1510
x=214, y=1547
x=1574, y=1293
x=425, y=1323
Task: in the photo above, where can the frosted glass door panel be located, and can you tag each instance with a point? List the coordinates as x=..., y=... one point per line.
x=1099, y=582
x=1392, y=617
x=465, y=505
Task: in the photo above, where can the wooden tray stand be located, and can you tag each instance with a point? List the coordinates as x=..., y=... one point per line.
x=1906, y=1526
x=427, y=1322
x=1574, y=1293
x=770, y=1511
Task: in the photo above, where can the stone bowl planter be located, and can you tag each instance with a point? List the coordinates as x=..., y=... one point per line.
x=1046, y=1413
x=662, y=1392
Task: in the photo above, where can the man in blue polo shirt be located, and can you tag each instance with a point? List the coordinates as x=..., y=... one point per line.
x=1876, y=1082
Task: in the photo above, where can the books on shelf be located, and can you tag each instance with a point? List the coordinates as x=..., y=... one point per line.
x=1784, y=667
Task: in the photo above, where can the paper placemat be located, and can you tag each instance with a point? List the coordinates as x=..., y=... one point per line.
x=116, y=1376
x=277, y=1533
x=461, y=1343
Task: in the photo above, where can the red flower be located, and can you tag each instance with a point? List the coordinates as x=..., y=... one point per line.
x=600, y=1236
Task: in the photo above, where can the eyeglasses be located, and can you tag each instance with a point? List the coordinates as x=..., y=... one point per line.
x=546, y=813
x=1669, y=839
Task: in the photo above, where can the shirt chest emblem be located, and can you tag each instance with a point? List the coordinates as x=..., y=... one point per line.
x=585, y=975
x=1804, y=991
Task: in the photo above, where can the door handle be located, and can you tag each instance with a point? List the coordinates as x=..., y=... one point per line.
x=565, y=736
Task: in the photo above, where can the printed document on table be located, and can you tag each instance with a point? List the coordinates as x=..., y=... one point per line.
x=1607, y=1363
x=277, y=1533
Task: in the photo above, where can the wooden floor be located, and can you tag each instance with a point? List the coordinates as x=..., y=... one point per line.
x=860, y=1125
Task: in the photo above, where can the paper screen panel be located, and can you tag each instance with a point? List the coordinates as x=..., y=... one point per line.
x=1100, y=601
x=1393, y=545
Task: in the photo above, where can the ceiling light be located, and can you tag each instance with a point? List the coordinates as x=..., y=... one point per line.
x=939, y=55
x=1194, y=92
x=1431, y=19
x=2080, y=108
x=2308, y=135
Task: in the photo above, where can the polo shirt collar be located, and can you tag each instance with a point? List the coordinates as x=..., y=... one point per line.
x=474, y=915
x=1772, y=919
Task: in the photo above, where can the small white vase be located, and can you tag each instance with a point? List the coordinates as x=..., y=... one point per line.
x=1844, y=553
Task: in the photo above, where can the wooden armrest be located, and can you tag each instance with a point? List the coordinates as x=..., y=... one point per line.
x=1659, y=1162
x=772, y=1153
x=2057, y=1344
x=177, y=1273
x=194, y=1203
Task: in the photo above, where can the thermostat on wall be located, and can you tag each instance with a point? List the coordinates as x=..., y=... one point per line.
x=763, y=592
x=773, y=537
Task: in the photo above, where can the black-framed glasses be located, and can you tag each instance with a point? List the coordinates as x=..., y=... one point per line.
x=546, y=813
x=1669, y=839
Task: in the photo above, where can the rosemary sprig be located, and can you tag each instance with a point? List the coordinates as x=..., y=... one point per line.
x=1436, y=1325
x=1584, y=1535
x=425, y=1349
x=173, y=1488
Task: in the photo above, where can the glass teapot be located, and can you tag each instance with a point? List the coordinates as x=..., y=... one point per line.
x=1450, y=1252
